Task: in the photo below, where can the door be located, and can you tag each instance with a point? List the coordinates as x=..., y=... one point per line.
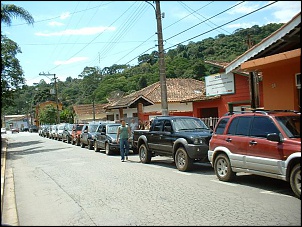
x=263, y=155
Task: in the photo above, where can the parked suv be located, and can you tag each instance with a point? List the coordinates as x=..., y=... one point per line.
x=266, y=143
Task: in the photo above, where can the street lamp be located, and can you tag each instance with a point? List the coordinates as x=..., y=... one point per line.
x=162, y=67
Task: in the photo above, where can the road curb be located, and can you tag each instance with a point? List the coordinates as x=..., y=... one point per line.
x=3, y=167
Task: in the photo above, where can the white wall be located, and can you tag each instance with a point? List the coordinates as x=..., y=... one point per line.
x=181, y=107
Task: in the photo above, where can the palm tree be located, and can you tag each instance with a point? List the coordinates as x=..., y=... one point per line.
x=9, y=11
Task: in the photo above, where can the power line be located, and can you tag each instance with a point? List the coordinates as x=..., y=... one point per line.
x=60, y=15
x=205, y=20
x=224, y=24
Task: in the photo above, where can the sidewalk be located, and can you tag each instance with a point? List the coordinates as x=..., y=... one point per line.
x=3, y=166
x=9, y=216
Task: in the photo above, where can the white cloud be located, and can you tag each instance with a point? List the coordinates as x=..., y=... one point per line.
x=81, y=31
x=284, y=11
x=244, y=8
x=242, y=25
x=64, y=15
x=55, y=23
x=70, y=61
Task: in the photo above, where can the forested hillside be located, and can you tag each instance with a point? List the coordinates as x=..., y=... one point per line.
x=99, y=85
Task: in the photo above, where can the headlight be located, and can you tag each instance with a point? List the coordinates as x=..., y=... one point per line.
x=197, y=141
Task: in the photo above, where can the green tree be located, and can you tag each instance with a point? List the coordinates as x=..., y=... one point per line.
x=9, y=11
x=66, y=115
x=12, y=76
x=48, y=115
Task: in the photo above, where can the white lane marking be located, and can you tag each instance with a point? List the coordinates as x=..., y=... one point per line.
x=274, y=193
x=184, y=173
x=226, y=183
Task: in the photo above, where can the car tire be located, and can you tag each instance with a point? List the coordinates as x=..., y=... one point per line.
x=295, y=180
x=223, y=169
x=107, y=149
x=144, y=154
x=95, y=147
x=182, y=160
x=90, y=146
x=82, y=145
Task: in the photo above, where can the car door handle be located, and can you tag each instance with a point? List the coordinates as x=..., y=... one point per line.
x=228, y=140
x=252, y=142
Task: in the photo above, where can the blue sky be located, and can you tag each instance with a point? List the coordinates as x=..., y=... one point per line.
x=67, y=36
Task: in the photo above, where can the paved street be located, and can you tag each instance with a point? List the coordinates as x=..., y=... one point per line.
x=56, y=183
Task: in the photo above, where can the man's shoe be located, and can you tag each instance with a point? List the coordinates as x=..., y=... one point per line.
x=122, y=160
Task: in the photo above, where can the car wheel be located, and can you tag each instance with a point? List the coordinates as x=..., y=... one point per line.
x=96, y=149
x=182, y=160
x=222, y=168
x=144, y=154
x=82, y=145
x=90, y=147
x=295, y=180
x=107, y=149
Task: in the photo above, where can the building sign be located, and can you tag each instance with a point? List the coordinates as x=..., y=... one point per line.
x=219, y=84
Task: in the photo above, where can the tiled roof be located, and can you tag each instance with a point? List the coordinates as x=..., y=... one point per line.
x=217, y=64
x=201, y=98
x=88, y=109
x=178, y=89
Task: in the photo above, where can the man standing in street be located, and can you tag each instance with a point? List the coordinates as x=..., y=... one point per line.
x=123, y=136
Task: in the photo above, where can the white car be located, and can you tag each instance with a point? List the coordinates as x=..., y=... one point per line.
x=3, y=130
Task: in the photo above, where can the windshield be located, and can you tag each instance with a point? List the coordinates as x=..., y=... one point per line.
x=112, y=129
x=291, y=125
x=92, y=128
x=189, y=124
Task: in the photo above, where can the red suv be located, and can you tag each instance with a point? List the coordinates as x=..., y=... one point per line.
x=75, y=134
x=260, y=142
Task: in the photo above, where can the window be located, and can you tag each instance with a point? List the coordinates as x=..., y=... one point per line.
x=221, y=126
x=262, y=126
x=240, y=126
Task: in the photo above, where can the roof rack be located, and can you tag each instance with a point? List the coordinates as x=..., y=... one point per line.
x=263, y=111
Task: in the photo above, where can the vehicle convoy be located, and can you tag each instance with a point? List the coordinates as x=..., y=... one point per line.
x=260, y=142
x=105, y=138
x=185, y=139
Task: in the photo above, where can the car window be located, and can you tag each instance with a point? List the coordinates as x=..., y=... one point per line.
x=79, y=127
x=112, y=129
x=291, y=125
x=240, y=126
x=262, y=126
x=221, y=126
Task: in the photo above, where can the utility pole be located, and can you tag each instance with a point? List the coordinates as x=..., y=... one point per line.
x=254, y=81
x=56, y=92
x=162, y=67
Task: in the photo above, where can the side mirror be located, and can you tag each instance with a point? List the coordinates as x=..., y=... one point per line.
x=273, y=137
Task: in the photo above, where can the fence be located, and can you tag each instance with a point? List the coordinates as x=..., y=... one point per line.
x=210, y=121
